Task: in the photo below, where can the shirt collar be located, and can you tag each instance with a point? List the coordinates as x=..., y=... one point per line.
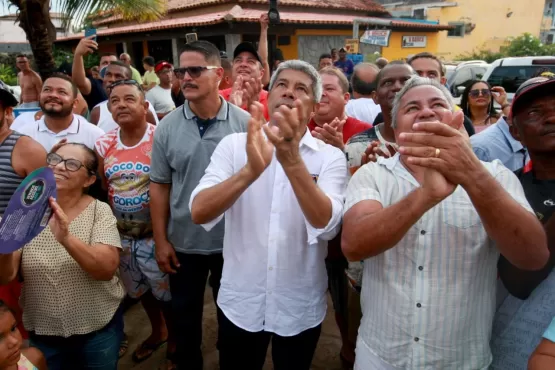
x=221, y=116
x=309, y=141
x=516, y=145
x=72, y=129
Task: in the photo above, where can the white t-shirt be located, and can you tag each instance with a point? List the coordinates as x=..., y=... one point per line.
x=161, y=99
x=80, y=131
x=106, y=122
x=24, y=119
x=363, y=109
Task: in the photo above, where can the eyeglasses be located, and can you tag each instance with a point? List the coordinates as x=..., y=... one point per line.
x=72, y=165
x=476, y=93
x=194, y=71
x=125, y=82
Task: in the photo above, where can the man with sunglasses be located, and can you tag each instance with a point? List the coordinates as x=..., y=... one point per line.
x=183, y=145
x=57, y=100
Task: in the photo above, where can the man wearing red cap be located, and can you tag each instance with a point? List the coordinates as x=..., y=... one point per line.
x=161, y=95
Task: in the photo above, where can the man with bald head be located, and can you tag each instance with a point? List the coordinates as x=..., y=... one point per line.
x=135, y=75
x=363, y=82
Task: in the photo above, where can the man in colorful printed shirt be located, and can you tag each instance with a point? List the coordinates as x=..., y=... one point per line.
x=125, y=160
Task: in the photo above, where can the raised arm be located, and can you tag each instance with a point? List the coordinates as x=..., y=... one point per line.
x=85, y=46
x=263, y=48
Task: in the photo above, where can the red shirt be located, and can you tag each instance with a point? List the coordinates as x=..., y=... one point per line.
x=263, y=100
x=352, y=127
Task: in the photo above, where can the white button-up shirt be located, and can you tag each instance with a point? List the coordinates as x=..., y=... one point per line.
x=363, y=109
x=274, y=275
x=428, y=302
x=79, y=131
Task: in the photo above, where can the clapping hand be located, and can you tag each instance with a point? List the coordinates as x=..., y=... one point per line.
x=331, y=133
x=286, y=133
x=245, y=91
x=373, y=151
x=59, y=224
x=259, y=150
x=444, y=151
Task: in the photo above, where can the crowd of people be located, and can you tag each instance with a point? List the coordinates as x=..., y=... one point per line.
x=429, y=224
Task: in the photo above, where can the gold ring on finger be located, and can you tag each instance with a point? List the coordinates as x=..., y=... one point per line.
x=437, y=152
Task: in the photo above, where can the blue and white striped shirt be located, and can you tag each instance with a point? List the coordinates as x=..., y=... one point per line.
x=428, y=302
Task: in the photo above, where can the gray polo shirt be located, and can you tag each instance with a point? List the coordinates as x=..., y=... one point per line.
x=179, y=157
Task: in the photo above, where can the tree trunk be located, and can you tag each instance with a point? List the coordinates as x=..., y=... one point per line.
x=34, y=19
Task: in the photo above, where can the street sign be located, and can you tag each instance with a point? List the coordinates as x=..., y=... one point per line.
x=376, y=37
x=414, y=41
x=351, y=46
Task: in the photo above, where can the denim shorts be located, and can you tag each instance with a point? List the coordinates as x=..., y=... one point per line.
x=98, y=350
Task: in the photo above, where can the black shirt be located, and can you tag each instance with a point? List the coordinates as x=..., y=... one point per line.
x=539, y=193
x=97, y=94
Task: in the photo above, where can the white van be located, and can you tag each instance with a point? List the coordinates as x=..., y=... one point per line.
x=510, y=73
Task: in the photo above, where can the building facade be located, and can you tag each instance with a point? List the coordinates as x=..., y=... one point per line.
x=308, y=28
x=13, y=38
x=476, y=23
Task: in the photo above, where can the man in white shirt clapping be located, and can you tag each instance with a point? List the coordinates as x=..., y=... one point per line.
x=281, y=191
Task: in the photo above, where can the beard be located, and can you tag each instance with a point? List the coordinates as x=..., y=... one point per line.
x=57, y=112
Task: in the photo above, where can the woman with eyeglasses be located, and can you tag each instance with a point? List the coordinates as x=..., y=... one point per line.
x=477, y=103
x=71, y=294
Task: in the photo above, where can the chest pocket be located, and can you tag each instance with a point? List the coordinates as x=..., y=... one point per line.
x=458, y=211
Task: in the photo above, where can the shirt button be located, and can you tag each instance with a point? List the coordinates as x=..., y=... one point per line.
x=422, y=232
x=418, y=305
x=416, y=339
x=421, y=268
x=271, y=268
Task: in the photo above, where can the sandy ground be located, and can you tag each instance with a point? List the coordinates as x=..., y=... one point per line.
x=137, y=328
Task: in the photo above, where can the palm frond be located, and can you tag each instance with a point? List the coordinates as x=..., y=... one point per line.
x=140, y=10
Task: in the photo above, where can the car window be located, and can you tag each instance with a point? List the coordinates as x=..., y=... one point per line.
x=461, y=77
x=479, y=72
x=511, y=77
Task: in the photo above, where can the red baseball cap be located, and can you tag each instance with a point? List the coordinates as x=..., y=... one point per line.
x=161, y=65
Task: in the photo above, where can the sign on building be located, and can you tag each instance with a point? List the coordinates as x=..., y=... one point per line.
x=414, y=41
x=351, y=46
x=376, y=37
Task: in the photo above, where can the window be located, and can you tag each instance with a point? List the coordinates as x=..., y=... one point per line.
x=479, y=72
x=419, y=13
x=460, y=78
x=511, y=77
x=549, y=39
x=458, y=31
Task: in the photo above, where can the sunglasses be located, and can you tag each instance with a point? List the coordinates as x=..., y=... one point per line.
x=476, y=93
x=72, y=165
x=194, y=71
x=125, y=82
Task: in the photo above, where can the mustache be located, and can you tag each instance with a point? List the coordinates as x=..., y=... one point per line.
x=287, y=102
x=52, y=100
x=190, y=85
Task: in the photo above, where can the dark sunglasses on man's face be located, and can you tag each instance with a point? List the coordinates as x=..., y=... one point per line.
x=72, y=165
x=476, y=93
x=125, y=82
x=194, y=71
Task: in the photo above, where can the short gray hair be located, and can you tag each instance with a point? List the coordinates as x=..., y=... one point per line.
x=306, y=68
x=417, y=81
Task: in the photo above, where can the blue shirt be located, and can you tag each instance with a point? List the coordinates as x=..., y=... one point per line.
x=550, y=332
x=496, y=142
x=347, y=66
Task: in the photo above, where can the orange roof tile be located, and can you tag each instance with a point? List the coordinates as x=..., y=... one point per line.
x=367, y=6
x=238, y=14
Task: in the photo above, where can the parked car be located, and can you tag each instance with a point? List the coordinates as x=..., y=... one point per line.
x=510, y=73
x=458, y=77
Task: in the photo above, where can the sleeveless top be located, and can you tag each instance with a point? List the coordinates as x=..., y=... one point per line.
x=106, y=121
x=9, y=179
x=24, y=364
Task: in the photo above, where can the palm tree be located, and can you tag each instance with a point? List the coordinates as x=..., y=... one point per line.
x=34, y=18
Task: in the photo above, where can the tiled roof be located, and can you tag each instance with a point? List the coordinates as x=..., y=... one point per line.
x=366, y=6
x=239, y=14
